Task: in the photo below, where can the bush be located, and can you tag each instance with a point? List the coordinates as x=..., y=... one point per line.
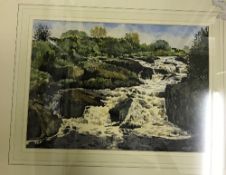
x=43, y=54
x=160, y=45
x=61, y=62
x=38, y=80
x=74, y=34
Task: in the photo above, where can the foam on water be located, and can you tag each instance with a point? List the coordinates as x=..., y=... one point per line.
x=147, y=111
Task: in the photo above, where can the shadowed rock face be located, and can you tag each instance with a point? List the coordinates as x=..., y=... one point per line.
x=75, y=140
x=187, y=98
x=127, y=64
x=147, y=73
x=41, y=122
x=131, y=141
x=134, y=66
x=135, y=142
x=148, y=59
x=74, y=101
x=162, y=71
x=183, y=60
x=34, y=124
x=119, y=112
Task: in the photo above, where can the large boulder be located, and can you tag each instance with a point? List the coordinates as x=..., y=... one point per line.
x=181, y=59
x=41, y=122
x=148, y=59
x=133, y=66
x=147, y=73
x=74, y=101
x=185, y=105
x=120, y=111
x=129, y=64
x=161, y=71
x=75, y=140
x=132, y=141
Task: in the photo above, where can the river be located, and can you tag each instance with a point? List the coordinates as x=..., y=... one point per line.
x=146, y=113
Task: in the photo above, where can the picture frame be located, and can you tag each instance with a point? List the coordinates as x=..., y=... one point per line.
x=220, y=3
x=154, y=160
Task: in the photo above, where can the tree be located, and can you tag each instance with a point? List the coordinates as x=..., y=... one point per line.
x=74, y=34
x=133, y=37
x=42, y=32
x=98, y=32
x=199, y=56
x=185, y=100
x=43, y=54
x=160, y=45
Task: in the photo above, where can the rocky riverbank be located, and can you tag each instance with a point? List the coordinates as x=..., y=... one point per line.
x=134, y=117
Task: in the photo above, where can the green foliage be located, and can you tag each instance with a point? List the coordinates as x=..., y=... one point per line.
x=110, y=74
x=38, y=79
x=62, y=62
x=42, y=33
x=144, y=47
x=98, y=32
x=184, y=101
x=73, y=34
x=75, y=42
x=79, y=46
x=112, y=47
x=107, y=71
x=74, y=72
x=199, y=56
x=133, y=37
x=179, y=52
x=160, y=45
x=98, y=83
x=43, y=54
x=96, y=73
x=87, y=47
x=86, y=60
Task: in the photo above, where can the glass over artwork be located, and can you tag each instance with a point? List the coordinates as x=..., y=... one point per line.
x=117, y=86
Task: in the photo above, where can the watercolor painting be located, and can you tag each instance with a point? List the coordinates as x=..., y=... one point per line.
x=117, y=86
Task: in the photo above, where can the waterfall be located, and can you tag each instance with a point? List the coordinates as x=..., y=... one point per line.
x=146, y=113
x=54, y=103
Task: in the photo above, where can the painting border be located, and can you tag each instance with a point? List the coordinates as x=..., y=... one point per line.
x=157, y=160
x=220, y=3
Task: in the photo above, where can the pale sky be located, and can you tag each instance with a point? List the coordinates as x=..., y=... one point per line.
x=176, y=35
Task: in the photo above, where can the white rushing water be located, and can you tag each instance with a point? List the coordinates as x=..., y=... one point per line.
x=147, y=110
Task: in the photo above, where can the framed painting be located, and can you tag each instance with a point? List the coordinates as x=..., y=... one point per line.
x=136, y=89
